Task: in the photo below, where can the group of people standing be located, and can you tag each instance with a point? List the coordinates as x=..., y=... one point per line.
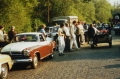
x=6, y=38
x=69, y=36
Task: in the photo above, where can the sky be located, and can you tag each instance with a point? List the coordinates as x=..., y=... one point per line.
x=113, y=1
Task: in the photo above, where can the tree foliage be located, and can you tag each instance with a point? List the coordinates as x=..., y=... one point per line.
x=28, y=15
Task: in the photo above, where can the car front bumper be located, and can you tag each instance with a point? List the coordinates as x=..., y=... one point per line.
x=22, y=60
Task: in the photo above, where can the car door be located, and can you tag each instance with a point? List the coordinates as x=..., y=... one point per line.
x=44, y=46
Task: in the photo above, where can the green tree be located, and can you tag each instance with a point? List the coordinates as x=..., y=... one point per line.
x=102, y=10
x=15, y=13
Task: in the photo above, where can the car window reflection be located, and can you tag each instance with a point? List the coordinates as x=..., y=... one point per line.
x=26, y=38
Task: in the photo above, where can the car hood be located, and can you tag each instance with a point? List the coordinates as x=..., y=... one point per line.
x=18, y=46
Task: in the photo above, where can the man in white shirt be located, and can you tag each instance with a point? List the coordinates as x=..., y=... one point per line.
x=95, y=37
x=67, y=37
x=73, y=36
x=61, y=42
x=96, y=30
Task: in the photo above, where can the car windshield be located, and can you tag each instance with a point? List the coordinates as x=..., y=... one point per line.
x=58, y=22
x=48, y=30
x=26, y=38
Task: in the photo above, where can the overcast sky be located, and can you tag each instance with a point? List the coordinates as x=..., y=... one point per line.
x=112, y=1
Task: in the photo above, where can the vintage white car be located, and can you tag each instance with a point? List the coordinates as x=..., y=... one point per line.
x=5, y=65
x=30, y=47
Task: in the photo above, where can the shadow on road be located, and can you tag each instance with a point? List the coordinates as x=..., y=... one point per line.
x=86, y=53
x=113, y=66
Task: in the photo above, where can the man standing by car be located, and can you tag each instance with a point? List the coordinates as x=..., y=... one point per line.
x=61, y=42
x=73, y=36
x=67, y=37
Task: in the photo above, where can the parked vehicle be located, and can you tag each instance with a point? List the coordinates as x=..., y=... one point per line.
x=64, y=19
x=5, y=65
x=48, y=31
x=102, y=37
x=116, y=18
x=52, y=31
x=29, y=48
x=117, y=28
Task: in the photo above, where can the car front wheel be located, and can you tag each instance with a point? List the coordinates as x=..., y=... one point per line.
x=4, y=71
x=34, y=64
x=115, y=33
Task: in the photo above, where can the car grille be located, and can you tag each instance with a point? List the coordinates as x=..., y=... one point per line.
x=14, y=55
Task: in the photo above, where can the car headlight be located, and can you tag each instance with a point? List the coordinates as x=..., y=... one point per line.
x=26, y=52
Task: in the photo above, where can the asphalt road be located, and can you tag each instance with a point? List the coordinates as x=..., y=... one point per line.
x=99, y=63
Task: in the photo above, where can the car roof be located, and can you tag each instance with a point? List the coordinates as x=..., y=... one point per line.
x=49, y=27
x=60, y=19
x=30, y=33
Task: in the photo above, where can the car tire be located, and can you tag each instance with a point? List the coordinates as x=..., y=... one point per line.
x=4, y=71
x=92, y=46
x=115, y=33
x=110, y=44
x=34, y=63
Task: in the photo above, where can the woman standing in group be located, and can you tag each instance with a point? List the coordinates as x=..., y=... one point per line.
x=61, y=42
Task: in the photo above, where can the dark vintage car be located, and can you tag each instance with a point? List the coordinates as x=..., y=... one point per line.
x=117, y=28
x=29, y=48
x=102, y=37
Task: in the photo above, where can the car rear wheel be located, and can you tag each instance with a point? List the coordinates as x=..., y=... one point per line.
x=4, y=71
x=110, y=44
x=34, y=64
